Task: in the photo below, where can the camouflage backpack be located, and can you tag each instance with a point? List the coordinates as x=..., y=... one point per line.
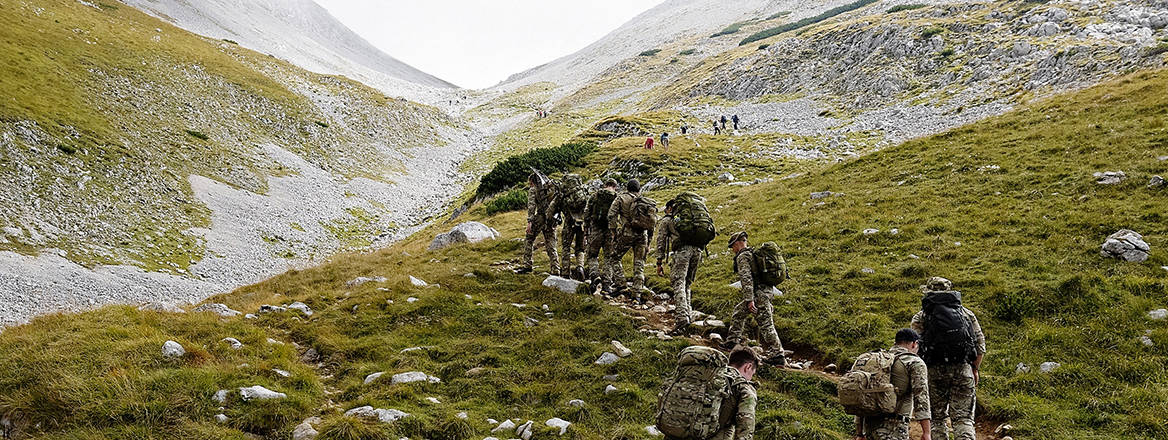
x=690, y=404
x=769, y=265
x=573, y=197
x=867, y=389
x=692, y=219
x=644, y=214
x=603, y=200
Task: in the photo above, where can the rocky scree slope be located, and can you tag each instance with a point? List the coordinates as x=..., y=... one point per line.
x=176, y=166
x=300, y=32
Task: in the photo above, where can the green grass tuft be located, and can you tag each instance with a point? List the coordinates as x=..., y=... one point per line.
x=649, y=53
x=197, y=135
x=909, y=7
x=513, y=200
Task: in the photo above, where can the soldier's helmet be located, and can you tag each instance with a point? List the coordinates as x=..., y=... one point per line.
x=937, y=284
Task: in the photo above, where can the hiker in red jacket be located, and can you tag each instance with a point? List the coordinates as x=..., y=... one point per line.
x=649, y=143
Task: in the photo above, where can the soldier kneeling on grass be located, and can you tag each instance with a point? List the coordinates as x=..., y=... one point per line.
x=685, y=413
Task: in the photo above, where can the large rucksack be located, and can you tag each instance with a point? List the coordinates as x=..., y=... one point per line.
x=573, y=197
x=602, y=201
x=694, y=225
x=948, y=336
x=644, y=214
x=690, y=405
x=769, y=266
x=867, y=389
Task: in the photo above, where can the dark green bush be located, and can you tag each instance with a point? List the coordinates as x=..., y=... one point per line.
x=197, y=134
x=321, y=124
x=931, y=31
x=899, y=8
x=649, y=53
x=732, y=29
x=780, y=14
x=689, y=52
x=515, y=169
x=762, y=35
x=513, y=200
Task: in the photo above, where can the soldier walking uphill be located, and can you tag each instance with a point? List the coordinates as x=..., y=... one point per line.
x=570, y=204
x=599, y=235
x=759, y=271
x=952, y=345
x=886, y=390
x=685, y=409
x=631, y=218
x=541, y=220
x=682, y=235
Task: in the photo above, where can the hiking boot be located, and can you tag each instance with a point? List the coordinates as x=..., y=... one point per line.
x=679, y=330
x=523, y=270
x=777, y=360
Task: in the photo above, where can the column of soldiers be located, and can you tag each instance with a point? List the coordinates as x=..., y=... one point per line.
x=933, y=367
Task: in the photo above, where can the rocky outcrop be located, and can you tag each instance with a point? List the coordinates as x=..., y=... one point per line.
x=469, y=232
x=1126, y=245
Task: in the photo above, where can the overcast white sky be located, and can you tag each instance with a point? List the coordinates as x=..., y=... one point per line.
x=477, y=43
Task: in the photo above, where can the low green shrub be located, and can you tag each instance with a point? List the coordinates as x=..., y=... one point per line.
x=649, y=53
x=929, y=32
x=762, y=35
x=321, y=124
x=780, y=14
x=197, y=134
x=515, y=169
x=688, y=52
x=513, y=200
x=899, y=8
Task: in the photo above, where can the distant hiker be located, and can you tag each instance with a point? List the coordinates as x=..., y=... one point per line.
x=649, y=143
x=599, y=235
x=682, y=235
x=570, y=204
x=759, y=271
x=735, y=119
x=717, y=131
x=723, y=121
x=631, y=218
x=684, y=128
x=883, y=412
x=953, y=346
x=710, y=397
x=540, y=220
x=665, y=140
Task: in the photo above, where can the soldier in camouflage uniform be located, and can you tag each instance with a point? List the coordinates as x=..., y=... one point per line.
x=626, y=238
x=756, y=301
x=737, y=418
x=599, y=236
x=910, y=377
x=683, y=269
x=953, y=387
x=572, y=234
x=541, y=220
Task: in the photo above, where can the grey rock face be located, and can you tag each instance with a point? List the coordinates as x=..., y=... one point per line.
x=1126, y=245
x=1156, y=182
x=378, y=414
x=362, y=280
x=608, y=358
x=469, y=232
x=414, y=376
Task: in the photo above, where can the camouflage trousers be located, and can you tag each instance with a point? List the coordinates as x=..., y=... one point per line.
x=571, y=248
x=549, y=242
x=599, y=238
x=682, y=272
x=765, y=319
x=885, y=428
x=622, y=244
x=952, y=395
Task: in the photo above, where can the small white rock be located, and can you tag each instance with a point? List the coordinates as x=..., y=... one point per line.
x=653, y=431
x=871, y=231
x=433, y=400
x=1158, y=314
x=417, y=282
x=556, y=422
x=1047, y=367
x=507, y=425
x=221, y=418
x=610, y=389
x=234, y=343
x=576, y=403
x=301, y=307
x=414, y=376
x=373, y=377
x=259, y=393
x=283, y=373
x=220, y=397
x=621, y=350
x=173, y=349
x=462, y=415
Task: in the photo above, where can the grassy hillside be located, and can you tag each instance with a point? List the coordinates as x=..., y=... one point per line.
x=106, y=111
x=1006, y=208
